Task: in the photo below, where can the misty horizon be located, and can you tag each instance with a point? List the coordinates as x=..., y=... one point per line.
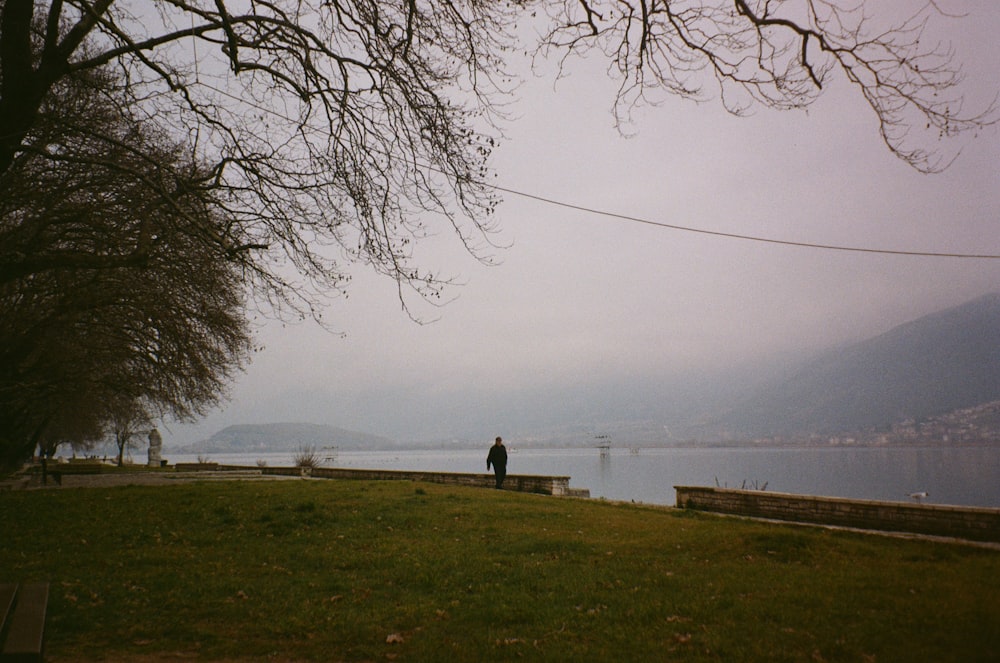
x=584, y=308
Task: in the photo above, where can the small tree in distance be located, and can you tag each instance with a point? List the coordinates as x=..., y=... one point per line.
x=127, y=421
x=307, y=458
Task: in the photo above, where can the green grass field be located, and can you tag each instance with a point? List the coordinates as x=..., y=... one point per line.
x=369, y=571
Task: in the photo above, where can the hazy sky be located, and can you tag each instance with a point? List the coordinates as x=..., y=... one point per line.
x=586, y=299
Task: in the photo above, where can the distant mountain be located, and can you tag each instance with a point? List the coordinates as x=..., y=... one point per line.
x=284, y=437
x=927, y=367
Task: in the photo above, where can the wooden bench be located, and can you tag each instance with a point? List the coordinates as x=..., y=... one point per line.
x=22, y=622
x=59, y=470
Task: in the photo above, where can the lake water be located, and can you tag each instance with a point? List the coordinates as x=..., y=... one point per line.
x=967, y=476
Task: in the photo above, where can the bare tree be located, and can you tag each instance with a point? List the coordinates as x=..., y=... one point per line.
x=779, y=54
x=339, y=131
x=116, y=298
x=126, y=420
x=328, y=130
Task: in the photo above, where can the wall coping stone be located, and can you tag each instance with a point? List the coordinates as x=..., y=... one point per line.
x=527, y=483
x=967, y=522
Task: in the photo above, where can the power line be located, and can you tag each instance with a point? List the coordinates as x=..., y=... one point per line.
x=661, y=224
x=751, y=238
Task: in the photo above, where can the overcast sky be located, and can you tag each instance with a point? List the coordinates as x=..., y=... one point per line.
x=586, y=299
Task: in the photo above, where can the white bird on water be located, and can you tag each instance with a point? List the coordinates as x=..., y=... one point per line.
x=919, y=496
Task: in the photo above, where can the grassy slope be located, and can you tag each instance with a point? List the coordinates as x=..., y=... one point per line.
x=331, y=570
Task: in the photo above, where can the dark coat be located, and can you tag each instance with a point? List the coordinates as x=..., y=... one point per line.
x=497, y=457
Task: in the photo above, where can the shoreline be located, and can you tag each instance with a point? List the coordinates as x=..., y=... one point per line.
x=159, y=478
x=622, y=447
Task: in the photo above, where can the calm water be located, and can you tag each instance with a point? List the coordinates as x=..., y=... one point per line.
x=965, y=476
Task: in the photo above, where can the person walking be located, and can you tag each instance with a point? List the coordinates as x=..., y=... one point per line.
x=498, y=459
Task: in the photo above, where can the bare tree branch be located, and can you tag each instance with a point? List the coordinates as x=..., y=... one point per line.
x=778, y=54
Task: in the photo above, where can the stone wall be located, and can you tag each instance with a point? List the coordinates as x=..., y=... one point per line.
x=975, y=523
x=525, y=483
x=198, y=467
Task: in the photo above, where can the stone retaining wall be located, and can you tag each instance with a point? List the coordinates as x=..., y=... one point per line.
x=198, y=467
x=525, y=483
x=974, y=523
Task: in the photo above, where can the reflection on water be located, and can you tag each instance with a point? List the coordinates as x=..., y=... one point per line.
x=964, y=476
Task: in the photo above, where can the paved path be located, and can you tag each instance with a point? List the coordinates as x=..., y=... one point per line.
x=141, y=478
